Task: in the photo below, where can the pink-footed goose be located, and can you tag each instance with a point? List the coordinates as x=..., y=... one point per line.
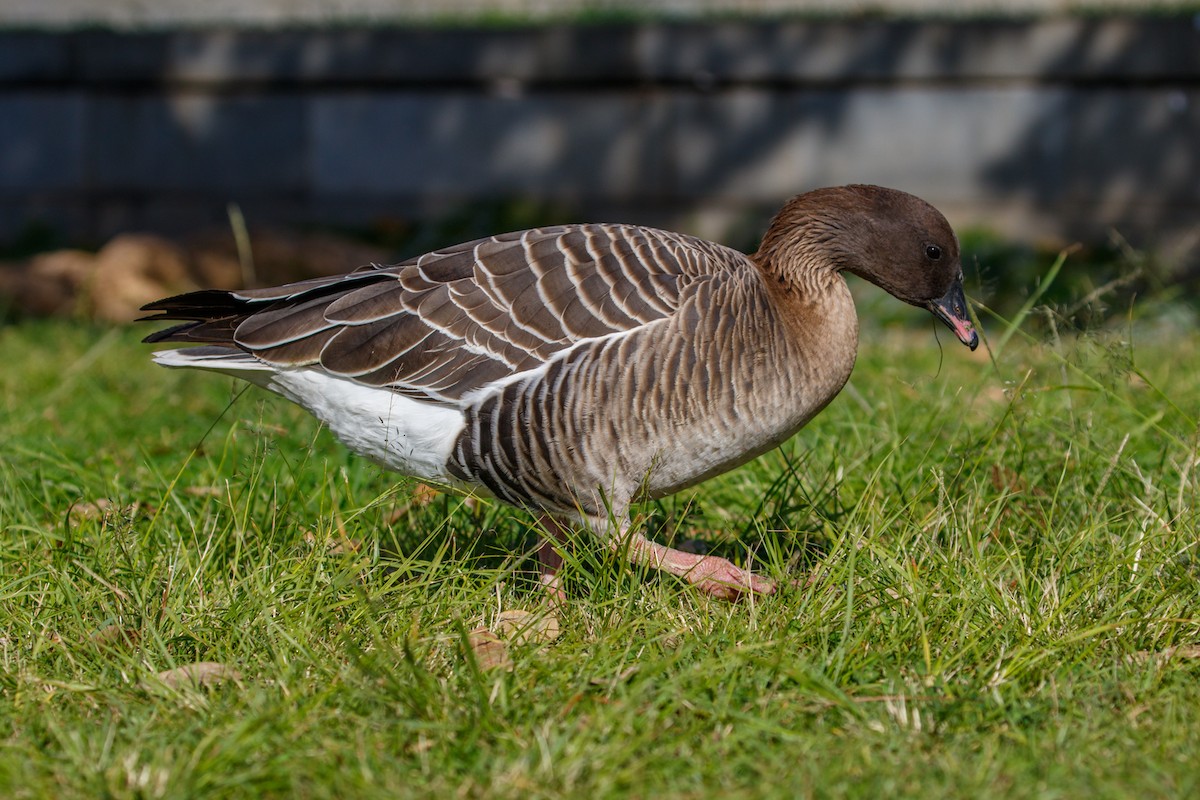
x=574, y=369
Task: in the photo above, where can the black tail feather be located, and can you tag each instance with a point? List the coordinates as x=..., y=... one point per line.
x=213, y=315
x=209, y=315
x=219, y=331
x=204, y=304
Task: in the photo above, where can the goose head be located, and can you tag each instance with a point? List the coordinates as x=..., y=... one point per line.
x=891, y=238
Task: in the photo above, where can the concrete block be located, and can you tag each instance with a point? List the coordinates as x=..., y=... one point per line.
x=1148, y=144
x=755, y=146
x=57, y=212
x=1124, y=160
x=33, y=58
x=364, y=56
x=909, y=50
x=1068, y=124
x=41, y=141
x=107, y=57
x=546, y=55
x=197, y=142
x=468, y=145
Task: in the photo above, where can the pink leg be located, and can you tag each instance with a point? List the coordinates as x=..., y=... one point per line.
x=550, y=559
x=716, y=576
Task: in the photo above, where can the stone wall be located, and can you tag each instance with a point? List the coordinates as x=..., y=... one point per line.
x=1058, y=127
x=131, y=14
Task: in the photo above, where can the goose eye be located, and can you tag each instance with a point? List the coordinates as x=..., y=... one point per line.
x=933, y=252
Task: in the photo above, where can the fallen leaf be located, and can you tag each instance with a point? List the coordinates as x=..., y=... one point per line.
x=101, y=509
x=115, y=637
x=344, y=544
x=336, y=545
x=522, y=627
x=260, y=428
x=490, y=652
x=1006, y=480
x=613, y=680
x=204, y=491
x=94, y=510
x=423, y=744
x=202, y=674
x=422, y=495
x=1136, y=712
x=1166, y=654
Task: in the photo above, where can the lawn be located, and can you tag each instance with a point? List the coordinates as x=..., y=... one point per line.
x=1004, y=597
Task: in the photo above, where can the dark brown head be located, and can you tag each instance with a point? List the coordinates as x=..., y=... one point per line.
x=892, y=239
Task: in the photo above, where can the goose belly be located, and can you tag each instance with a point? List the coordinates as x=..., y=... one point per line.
x=405, y=435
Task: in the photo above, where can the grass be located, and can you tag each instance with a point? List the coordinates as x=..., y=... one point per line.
x=1004, y=599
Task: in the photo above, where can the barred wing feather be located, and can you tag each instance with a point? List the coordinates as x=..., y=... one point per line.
x=450, y=322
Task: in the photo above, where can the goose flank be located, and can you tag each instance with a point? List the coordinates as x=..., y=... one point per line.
x=572, y=370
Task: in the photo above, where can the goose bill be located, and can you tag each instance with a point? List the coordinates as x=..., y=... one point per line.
x=952, y=310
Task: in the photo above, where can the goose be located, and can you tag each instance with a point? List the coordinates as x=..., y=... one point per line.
x=576, y=369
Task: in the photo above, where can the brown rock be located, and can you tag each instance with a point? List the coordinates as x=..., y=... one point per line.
x=47, y=284
x=214, y=269
x=132, y=270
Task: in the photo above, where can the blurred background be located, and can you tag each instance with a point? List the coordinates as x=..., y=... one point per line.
x=148, y=148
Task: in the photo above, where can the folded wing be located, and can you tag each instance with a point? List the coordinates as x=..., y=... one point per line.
x=450, y=322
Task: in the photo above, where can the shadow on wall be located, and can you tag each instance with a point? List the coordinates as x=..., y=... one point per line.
x=1115, y=138
x=1055, y=128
